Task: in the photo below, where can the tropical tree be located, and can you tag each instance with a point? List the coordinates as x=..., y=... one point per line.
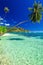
x=0, y=30
x=6, y=9
x=36, y=12
x=3, y=29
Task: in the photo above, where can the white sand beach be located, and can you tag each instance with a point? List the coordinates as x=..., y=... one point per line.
x=16, y=49
x=7, y=34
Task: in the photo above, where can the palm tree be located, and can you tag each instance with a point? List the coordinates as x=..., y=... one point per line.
x=36, y=12
x=6, y=9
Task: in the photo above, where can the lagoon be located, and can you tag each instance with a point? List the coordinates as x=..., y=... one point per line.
x=21, y=49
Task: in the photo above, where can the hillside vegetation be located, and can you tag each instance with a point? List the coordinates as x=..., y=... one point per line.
x=4, y=29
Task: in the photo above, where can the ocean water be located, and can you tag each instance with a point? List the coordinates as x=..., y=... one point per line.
x=21, y=49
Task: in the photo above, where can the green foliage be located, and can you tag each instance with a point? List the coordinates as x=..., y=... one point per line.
x=3, y=29
x=6, y=9
x=36, y=14
x=35, y=17
x=15, y=29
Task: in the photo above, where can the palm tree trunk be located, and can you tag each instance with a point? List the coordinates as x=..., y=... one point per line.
x=21, y=23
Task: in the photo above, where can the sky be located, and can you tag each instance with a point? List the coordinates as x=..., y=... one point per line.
x=18, y=12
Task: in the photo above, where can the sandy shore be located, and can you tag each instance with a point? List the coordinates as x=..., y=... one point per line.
x=7, y=34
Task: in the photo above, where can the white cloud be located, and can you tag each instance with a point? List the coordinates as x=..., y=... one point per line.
x=1, y=23
x=1, y=19
x=7, y=24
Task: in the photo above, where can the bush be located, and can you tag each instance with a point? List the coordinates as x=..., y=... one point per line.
x=3, y=29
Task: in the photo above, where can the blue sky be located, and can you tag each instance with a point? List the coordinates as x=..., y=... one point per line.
x=19, y=12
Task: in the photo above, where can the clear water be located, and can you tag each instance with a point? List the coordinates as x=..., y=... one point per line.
x=21, y=49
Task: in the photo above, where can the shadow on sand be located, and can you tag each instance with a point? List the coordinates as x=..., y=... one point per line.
x=15, y=39
x=0, y=39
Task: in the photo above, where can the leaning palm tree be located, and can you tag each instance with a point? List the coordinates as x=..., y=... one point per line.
x=36, y=12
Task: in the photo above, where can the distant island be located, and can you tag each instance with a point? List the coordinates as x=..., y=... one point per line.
x=4, y=29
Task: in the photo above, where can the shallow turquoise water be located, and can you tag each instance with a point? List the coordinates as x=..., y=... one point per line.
x=20, y=49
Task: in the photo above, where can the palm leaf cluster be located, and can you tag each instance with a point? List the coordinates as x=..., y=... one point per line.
x=36, y=12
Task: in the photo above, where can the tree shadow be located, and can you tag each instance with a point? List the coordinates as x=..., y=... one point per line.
x=15, y=39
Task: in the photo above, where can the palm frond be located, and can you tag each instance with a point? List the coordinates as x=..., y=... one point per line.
x=31, y=9
x=36, y=14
